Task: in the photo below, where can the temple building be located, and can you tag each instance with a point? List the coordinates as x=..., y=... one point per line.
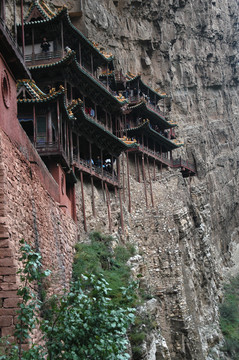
x=81, y=114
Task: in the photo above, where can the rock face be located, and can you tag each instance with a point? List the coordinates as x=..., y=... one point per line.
x=189, y=49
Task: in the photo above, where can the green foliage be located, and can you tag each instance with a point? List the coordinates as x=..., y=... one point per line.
x=83, y=323
x=229, y=320
x=31, y=274
x=87, y=325
x=99, y=258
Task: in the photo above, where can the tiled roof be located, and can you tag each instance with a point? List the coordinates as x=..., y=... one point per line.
x=37, y=94
x=42, y=7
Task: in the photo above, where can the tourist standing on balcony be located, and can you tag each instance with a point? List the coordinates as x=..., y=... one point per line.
x=45, y=45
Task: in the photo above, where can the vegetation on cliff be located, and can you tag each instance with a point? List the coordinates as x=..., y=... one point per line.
x=229, y=321
x=83, y=323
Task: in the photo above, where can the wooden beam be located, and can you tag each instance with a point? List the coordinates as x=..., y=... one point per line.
x=129, y=195
x=34, y=125
x=93, y=196
x=150, y=183
x=138, y=169
x=108, y=206
x=83, y=200
x=144, y=178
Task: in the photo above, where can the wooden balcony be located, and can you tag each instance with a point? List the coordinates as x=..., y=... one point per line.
x=187, y=168
x=44, y=57
x=97, y=172
x=53, y=149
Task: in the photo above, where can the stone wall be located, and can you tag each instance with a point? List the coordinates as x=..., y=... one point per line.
x=29, y=212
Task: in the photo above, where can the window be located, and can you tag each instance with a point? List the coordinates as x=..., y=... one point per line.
x=6, y=90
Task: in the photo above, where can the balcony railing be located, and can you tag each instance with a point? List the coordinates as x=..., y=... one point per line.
x=98, y=80
x=161, y=157
x=10, y=37
x=95, y=171
x=52, y=148
x=42, y=57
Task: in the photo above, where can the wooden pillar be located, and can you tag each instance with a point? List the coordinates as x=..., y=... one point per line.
x=128, y=182
x=83, y=200
x=67, y=139
x=120, y=196
x=23, y=32
x=92, y=63
x=58, y=123
x=135, y=162
x=15, y=20
x=62, y=39
x=102, y=173
x=138, y=169
x=33, y=44
x=78, y=149
x=150, y=183
x=66, y=91
x=90, y=152
x=154, y=171
x=123, y=177
x=144, y=178
x=34, y=126
x=112, y=168
x=93, y=195
x=121, y=212
x=108, y=206
x=80, y=56
x=111, y=125
x=107, y=76
x=71, y=145
x=49, y=126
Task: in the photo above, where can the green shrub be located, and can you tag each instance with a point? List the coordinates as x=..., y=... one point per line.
x=99, y=258
x=229, y=318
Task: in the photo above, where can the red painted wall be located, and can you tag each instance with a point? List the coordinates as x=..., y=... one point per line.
x=11, y=126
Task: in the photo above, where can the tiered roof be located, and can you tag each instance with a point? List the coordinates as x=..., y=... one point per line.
x=48, y=18
x=37, y=96
x=132, y=78
x=70, y=67
x=145, y=128
x=151, y=114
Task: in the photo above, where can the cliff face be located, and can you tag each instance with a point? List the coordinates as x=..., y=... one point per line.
x=189, y=49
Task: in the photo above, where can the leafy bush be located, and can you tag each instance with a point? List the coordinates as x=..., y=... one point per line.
x=82, y=324
x=229, y=320
x=98, y=257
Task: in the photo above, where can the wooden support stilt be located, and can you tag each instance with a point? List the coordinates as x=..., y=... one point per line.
x=108, y=206
x=62, y=39
x=150, y=183
x=138, y=169
x=102, y=174
x=121, y=212
x=128, y=182
x=93, y=195
x=83, y=200
x=123, y=177
x=23, y=31
x=154, y=170
x=34, y=126
x=58, y=124
x=144, y=178
x=135, y=163
x=116, y=192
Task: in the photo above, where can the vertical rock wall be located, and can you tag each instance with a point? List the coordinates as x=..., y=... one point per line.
x=190, y=50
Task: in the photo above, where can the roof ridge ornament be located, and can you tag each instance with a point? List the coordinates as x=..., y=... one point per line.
x=39, y=8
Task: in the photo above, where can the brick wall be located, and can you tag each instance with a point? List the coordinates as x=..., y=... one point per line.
x=28, y=211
